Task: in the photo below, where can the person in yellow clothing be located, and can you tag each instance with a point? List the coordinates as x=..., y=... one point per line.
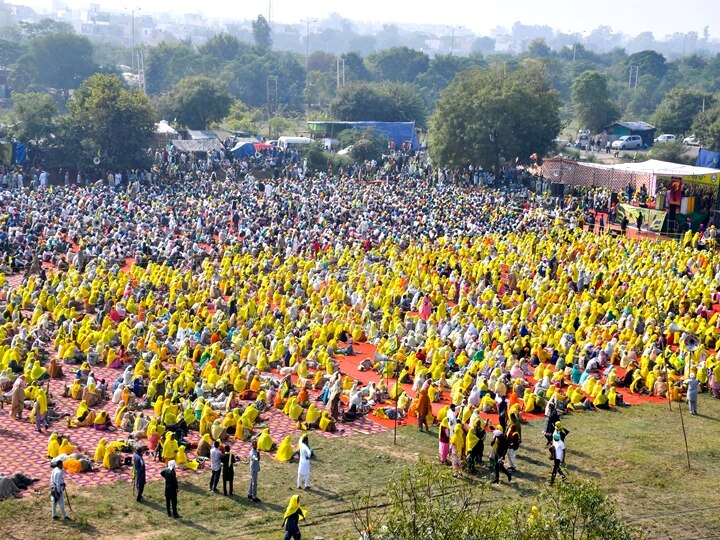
x=182, y=460
x=53, y=449
x=100, y=451
x=265, y=442
x=169, y=447
x=285, y=451
x=41, y=406
x=294, y=513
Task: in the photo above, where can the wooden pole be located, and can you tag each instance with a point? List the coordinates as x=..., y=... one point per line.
x=682, y=423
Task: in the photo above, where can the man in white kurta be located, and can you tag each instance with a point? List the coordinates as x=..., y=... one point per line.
x=304, y=466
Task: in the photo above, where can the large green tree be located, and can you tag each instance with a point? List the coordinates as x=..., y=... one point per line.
x=401, y=64
x=256, y=79
x=167, y=63
x=221, y=47
x=441, y=72
x=591, y=101
x=109, y=121
x=383, y=102
x=262, y=34
x=678, y=109
x=196, y=102
x=706, y=127
x=32, y=115
x=487, y=115
x=58, y=61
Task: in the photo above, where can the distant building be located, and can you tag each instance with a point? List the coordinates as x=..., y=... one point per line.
x=620, y=129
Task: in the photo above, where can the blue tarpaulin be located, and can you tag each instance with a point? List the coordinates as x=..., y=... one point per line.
x=19, y=153
x=245, y=150
x=708, y=158
x=398, y=132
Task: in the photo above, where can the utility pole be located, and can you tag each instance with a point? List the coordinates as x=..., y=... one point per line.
x=452, y=41
x=340, y=76
x=132, y=31
x=634, y=72
x=272, y=96
x=307, y=42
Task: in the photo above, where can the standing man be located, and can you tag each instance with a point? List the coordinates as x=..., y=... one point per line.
x=57, y=489
x=304, y=465
x=215, y=466
x=139, y=472
x=557, y=451
x=692, y=392
x=452, y=418
x=254, y=472
x=171, y=489
x=500, y=447
x=228, y=472
x=513, y=438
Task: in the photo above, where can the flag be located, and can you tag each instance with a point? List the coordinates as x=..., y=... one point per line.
x=675, y=190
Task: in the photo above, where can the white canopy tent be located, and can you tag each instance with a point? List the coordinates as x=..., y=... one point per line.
x=617, y=176
x=163, y=128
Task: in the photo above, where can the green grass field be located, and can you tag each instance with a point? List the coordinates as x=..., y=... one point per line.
x=637, y=455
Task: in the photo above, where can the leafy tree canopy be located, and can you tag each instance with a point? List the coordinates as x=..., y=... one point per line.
x=108, y=121
x=32, y=115
x=485, y=116
x=400, y=64
x=383, y=102
x=591, y=101
x=676, y=112
x=196, y=102
x=58, y=61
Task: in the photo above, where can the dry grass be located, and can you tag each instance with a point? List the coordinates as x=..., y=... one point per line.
x=637, y=455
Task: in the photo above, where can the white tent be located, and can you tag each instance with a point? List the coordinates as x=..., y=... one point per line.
x=656, y=167
x=163, y=128
x=616, y=176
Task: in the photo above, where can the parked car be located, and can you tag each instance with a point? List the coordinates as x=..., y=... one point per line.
x=627, y=142
x=666, y=137
x=692, y=140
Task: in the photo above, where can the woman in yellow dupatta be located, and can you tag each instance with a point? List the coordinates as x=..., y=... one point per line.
x=293, y=514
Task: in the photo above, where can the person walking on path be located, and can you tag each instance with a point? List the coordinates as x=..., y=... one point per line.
x=171, y=489
x=254, y=472
x=57, y=489
x=304, y=465
x=557, y=454
x=215, y=466
x=293, y=514
x=139, y=473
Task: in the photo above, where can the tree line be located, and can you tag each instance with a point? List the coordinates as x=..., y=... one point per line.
x=489, y=110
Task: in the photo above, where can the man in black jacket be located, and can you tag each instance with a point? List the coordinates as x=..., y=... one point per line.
x=139, y=472
x=228, y=473
x=171, y=488
x=500, y=447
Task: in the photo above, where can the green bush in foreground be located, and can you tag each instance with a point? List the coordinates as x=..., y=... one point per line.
x=427, y=502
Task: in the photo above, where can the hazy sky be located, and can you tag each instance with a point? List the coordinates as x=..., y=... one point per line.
x=661, y=17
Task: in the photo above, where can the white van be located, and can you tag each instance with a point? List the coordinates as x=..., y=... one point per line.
x=290, y=142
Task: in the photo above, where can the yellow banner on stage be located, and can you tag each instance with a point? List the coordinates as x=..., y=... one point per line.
x=704, y=179
x=652, y=219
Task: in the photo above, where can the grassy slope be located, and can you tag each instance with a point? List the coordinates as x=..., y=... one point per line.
x=637, y=455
